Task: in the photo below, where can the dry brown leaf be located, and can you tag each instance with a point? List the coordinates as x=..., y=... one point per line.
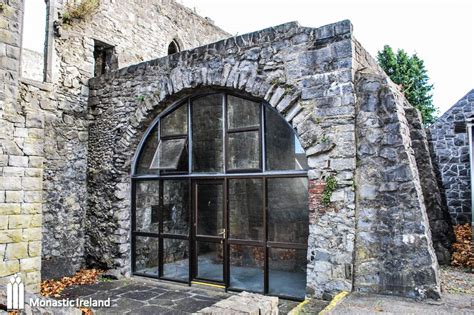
x=83, y=276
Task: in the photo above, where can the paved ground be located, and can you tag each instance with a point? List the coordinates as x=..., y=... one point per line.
x=142, y=296
x=380, y=304
x=457, y=280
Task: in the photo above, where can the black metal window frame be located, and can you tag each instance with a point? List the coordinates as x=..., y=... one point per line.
x=195, y=178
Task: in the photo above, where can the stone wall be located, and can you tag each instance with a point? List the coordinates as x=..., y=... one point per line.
x=393, y=248
x=311, y=83
x=44, y=132
x=304, y=73
x=449, y=144
x=20, y=163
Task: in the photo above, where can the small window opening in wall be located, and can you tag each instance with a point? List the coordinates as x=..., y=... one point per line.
x=173, y=47
x=459, y=127
x=105, y=58
x=34, y=40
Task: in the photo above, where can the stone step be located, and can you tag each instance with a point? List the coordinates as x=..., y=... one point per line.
x=244, y=303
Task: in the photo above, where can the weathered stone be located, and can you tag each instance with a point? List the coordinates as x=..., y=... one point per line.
x=448, y=139
x=16, y=251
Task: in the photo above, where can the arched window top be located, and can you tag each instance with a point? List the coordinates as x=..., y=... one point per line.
x=173, y=47
x=220, y=133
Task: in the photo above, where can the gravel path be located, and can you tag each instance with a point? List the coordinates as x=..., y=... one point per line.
x=457, y=280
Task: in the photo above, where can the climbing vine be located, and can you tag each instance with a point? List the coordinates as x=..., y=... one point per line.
x=331, y=184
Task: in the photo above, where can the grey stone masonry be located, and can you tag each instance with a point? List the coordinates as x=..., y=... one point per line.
x=449, y=144
x=308, y=75
x=440, y=221
x=393, y=233
x=44, y=125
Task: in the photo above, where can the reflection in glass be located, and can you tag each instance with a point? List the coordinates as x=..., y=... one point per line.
x=244, y=150
x=288, y=219
x=283, y=150
x=176, y=207
x=242, y=113
x=246, y=267
x=147, y=153
x=210, y=261
x=147, y=202
x=210, y=203
x=176, y=259
x=175, y=123
x=246, y=209
x=207, y=134
x=146, y=255
x=287, y=272
x=169, y=154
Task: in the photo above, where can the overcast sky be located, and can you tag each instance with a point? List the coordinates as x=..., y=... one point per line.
x=441, y=32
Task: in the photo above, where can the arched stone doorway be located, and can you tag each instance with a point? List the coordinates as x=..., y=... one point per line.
x=220, y=195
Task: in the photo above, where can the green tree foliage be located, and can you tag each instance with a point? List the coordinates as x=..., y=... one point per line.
x=410, y=73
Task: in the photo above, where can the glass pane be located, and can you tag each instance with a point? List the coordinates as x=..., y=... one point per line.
x=210, y=261
x=283, y=150
x=146, y=255
x=244, y=150
x=176, y=259
x=242, y=113
x=287, y=272
x=175, y=123
x=147, y=153
x=147, y=203
x=169, y=154
x=34, y=35
x=207, y=134
x=246, y=267
x=176, y=207
x=246, y=209
x=288, y=210
x=210, y=205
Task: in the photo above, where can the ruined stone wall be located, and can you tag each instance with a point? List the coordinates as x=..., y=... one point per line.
x=44, y=132
x=304, y=73
x=20, y=163
x=393, y=249
x=449, y=144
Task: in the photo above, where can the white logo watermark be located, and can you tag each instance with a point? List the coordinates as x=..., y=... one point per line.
x=15, y=293
x=16, y=298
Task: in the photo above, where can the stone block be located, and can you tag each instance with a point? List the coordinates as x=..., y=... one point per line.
x=32, y=196
x=15, y=160
x=16, y=251
x=10, y=208
x=3, y=222
x=21, y=132
x=11, y=236
x=35, y=120
x=2, y=196
x=10, y=183
x=11, y=171
x=36, y=161
x=30, y=264
x=13, y=196
x=33, y=147
x=19, y=221
x=31, y=208
x=36, y=220
x=32, y=234
x=34, y=172
x=8, y=268
x=32, y=183
x=34, y=249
